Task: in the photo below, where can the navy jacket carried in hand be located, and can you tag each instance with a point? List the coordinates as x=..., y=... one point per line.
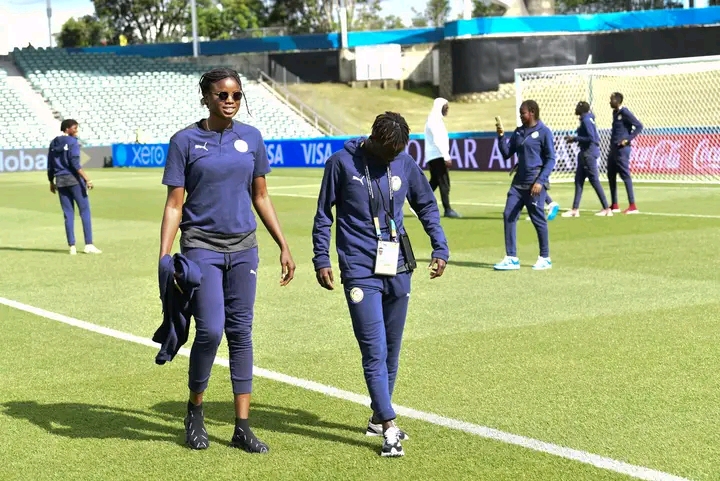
x=63, y=157
x=179, y=279
x=587, y=136
x=625, y=126
x=536, y=153
x=344, y=186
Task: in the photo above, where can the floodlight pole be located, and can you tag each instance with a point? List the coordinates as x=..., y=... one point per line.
x=467, y=9
x=343, y=25
x=193, y=16
x=49, y=16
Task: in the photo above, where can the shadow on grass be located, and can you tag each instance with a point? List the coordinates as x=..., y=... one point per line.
x=279, y=419
x=164, y=422
x=33, y=249
x=474, y=217
x=75, y=420
x=479, y=265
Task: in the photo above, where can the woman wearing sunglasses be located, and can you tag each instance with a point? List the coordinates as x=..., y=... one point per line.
x=221, y=164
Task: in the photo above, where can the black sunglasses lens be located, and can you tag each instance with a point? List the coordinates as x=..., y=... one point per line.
x=224, y=96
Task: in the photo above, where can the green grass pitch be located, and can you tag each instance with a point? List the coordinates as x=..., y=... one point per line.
x=613, y=352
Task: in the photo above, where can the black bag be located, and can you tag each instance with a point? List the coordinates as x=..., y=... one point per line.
x=407, y=251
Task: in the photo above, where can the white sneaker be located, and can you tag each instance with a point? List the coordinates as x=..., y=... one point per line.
x=571, y=213
x=508, y=263
x=91, y=249
x=377, y=430
x=391, y=445
x=543, y=263
x=604, y=213
x=73, y=250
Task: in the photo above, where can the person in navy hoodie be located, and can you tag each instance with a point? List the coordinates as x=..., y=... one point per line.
x=625, y=127
x=71, y=183
x=588, y=141
x=367, y=182
x=221, y=164
x=533, y=144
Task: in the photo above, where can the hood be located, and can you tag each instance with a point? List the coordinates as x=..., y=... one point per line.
x=60, y=143
x=437, y=107
x=352, y=145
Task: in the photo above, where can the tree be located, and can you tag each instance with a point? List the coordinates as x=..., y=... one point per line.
x=437, y=12
x=300, y=16
x=146, y=21
x=419, y=19
x=393, y=22
x=367, y=16
x=226, y=19
x=86, y=31
x=321, y=16
x=483, y=8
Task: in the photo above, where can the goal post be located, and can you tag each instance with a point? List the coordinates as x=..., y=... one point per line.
x=677, y=101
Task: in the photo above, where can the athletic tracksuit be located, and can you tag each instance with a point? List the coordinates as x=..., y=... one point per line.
x=625, y=126
x=62, y=168
x=377, y=304
x=588, y=141
x=536, y=160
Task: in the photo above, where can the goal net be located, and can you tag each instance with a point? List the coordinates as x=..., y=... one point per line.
x=676, y=100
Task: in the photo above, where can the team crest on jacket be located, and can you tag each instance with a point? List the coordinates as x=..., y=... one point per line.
x=396, y=183
x=619, y=117
x=241, y=145
x=356, y=294
x=535, y=135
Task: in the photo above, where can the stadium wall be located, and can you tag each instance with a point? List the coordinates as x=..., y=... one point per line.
x=481, y=64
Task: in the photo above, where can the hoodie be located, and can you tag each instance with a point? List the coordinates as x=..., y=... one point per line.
x=63, y=157
x=344, y=186
x=587, y=137
x=535, y=151
x=437, y=142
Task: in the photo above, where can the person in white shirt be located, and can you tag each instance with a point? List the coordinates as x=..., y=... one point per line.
x=437, y=153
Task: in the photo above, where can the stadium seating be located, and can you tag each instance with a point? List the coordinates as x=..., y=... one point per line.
x=114, y=96
x=20, y=128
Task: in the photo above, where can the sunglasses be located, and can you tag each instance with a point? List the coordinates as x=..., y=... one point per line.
x=237, y=96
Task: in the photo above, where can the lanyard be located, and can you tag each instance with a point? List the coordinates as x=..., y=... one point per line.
x=374, y=208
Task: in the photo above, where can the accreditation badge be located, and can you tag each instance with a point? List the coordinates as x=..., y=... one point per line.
x=386, y=258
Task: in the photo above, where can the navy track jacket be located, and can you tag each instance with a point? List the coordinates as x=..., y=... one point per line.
x=176, y=301
x=344, y=186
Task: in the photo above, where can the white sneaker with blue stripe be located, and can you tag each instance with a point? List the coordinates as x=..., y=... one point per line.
x=553, y=209
x=509, y=263
x=543, y=263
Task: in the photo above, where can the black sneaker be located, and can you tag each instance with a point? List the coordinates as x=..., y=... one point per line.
x=196, y=436
x=246, y=440
x=391, y=445
x=452, y=214
x=377, y=430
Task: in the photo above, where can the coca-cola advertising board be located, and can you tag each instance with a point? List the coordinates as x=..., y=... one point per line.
x=651, y=153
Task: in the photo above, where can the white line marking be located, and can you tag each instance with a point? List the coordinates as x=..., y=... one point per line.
x=621, y=467
x=487, y=204
x=664, y=214
x=300, y=186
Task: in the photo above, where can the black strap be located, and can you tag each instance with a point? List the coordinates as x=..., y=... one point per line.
x=374, y=209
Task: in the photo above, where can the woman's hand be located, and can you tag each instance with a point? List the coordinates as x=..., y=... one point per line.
x=288, y=267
